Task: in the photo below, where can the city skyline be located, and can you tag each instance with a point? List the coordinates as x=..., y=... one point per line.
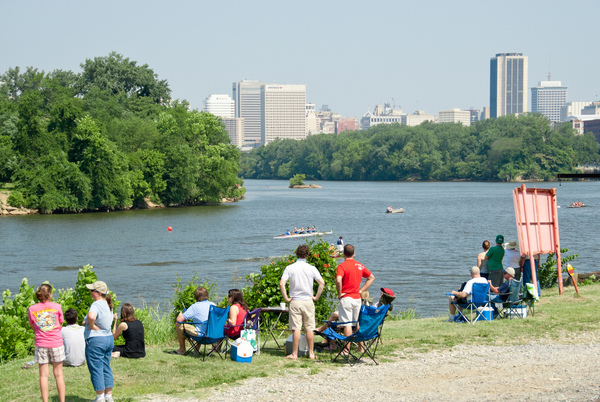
x=429, y=55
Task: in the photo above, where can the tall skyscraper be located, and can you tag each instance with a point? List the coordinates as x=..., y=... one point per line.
x=247, y=97
x=220, y=105
x=547, y=98
x=284, y=112
x=508, y=84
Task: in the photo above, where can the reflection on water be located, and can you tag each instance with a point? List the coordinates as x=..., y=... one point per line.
x=420, y=254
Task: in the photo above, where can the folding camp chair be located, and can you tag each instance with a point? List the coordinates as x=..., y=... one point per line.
x=473, y=311
x=370, y=325
x=215, y=333
x=513, y=306
x=253, y=322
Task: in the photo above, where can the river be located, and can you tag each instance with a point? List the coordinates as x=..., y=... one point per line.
x=420, y=254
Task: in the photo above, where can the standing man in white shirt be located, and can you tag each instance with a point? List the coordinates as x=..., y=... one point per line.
x=302, y=276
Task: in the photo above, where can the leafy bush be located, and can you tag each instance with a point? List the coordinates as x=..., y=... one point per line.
x=297, y=180
x=16, y=199
x=547, y=271
x=184, y=294
x=264, y=290
x=158, y=327
x=16, y=336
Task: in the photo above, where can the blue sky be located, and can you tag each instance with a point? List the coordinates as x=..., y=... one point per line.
x=426, y=55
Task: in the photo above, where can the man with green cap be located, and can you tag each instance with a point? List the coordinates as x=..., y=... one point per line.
x=494, y=256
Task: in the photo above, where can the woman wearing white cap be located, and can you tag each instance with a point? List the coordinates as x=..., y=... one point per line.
x=99, y=341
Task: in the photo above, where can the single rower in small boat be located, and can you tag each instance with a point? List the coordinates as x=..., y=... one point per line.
x=389, y=210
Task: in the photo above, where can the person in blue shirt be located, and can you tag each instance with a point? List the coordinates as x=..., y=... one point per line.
x=197, y=312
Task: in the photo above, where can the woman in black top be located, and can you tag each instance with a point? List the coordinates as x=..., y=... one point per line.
x=133, y=332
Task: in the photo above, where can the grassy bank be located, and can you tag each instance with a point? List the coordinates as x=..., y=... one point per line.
x=557, y=318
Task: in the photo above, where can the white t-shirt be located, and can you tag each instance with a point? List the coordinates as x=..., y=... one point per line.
x=74, y=345
x=512, y=258
x=301, y=276
x=468, y=289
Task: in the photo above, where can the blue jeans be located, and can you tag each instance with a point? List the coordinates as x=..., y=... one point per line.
x=527, y=273
x=97, y=354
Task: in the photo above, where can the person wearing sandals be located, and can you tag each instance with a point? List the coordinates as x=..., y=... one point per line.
x=45, y=318
x=99, y=341
x=302, y=276
x=133, y=333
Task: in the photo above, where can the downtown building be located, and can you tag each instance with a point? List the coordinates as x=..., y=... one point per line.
x=248, y=105
x=548, y=98
x=455, y=116
x=283, y=112
x=508, y=84
x=220, y=105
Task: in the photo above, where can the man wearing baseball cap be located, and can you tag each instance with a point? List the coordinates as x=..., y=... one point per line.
x=463, y=296
x=501, y=292
x=494, y=256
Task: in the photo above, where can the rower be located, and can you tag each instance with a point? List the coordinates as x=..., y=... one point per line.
x=287, y=232
x=389, y=209
x=314, y=230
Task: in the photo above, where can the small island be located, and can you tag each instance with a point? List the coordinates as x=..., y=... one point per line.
x=298, y=182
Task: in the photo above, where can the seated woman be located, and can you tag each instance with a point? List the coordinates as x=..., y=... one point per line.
x=133, y=332
x=237, y=314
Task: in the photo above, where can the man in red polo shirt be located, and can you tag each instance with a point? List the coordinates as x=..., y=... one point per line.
x=349, y=276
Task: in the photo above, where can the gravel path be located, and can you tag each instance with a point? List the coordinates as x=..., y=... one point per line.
x=540, y=371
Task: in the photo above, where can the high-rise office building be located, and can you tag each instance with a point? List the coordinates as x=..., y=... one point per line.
x=547, y=98
x=235, y=129
x=508, y=84
x=283, y=111
x=247, y=97
x=220, y=105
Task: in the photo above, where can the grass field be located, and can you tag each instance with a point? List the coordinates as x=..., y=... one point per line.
x=556, y=319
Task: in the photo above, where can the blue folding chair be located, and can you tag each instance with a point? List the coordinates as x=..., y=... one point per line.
x=370, y=325
x=480, y=296
x=214, y=336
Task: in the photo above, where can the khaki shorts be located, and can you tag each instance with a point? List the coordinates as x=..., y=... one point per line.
x=190, y=329
x=49, y=355
x=302, y=312
x=349, y=309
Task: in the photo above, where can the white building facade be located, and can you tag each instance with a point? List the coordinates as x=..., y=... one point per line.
x=548, y=98
x=417, y=118
x=455, y=116
x=235, y=129
x=283, y=112
x=248, y=105
x=572, y=108
x=220, y=105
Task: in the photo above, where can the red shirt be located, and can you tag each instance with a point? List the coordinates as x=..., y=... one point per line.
x=234, y=331
x=352, y=273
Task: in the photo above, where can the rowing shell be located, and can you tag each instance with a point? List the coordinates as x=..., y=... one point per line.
x=284, y=236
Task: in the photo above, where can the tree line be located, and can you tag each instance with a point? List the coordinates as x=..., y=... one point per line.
x=504, y=149
x=109, y=137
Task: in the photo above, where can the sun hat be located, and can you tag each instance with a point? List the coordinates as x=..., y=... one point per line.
x=510, y=271
x=499, y=239
x=98, y=286
x=511, y=244
x=474, y=270
x=388, y=291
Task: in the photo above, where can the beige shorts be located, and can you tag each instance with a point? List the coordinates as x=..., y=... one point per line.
x=349, y=309
x=190, y=329
x=302, y=312
x=49, y=355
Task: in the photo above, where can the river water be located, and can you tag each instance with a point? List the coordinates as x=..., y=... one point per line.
x=420, y=254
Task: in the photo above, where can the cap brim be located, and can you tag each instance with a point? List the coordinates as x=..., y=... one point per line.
x=90, y=286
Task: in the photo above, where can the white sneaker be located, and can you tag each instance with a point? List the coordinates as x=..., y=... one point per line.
x=99, y=398
x=108, y=398
x=451, y=319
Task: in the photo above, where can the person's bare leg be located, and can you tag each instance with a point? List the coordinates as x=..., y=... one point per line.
x=44, y=374
x=295, y=345
x=310, y=340
x=347, y=333
x=180, y=338
x=57, y=369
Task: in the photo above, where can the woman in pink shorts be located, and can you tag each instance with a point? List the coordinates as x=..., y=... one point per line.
x=46, y=320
